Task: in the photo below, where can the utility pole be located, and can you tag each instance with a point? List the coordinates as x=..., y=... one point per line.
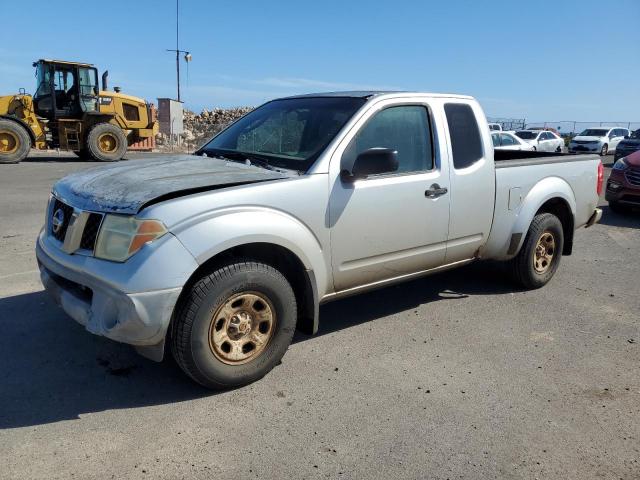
x=187, y=55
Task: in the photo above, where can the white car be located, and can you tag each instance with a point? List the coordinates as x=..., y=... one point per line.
x=495, y=127
x=601, y=140
x=542, y=140
x=508, y=141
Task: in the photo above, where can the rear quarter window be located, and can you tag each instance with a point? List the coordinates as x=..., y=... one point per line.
x=466, y=144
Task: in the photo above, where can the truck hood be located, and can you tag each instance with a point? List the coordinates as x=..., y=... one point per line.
x=127, y=187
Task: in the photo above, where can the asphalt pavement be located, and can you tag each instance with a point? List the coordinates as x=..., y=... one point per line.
x=458, y=375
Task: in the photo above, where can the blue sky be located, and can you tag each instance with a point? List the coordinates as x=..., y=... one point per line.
x=547, y=60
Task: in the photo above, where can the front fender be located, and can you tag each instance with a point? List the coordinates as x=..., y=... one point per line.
x=223, y=229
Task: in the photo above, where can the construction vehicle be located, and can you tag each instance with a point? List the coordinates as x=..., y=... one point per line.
x=69, y=112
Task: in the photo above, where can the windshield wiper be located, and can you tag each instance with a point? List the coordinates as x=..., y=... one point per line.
x=250, y=158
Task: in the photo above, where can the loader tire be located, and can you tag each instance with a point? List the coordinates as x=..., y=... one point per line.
x=539, y=258
x=83, y=154
x=106, y=143
x=14, y=142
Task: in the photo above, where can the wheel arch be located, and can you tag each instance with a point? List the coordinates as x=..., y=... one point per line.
x=23, y=124
x=301, y=278
x=550, y=195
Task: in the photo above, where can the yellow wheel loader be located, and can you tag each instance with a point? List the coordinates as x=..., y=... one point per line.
x=69, y=112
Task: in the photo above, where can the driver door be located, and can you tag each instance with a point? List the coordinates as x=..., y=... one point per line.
x=88, y=89
x=386, y=226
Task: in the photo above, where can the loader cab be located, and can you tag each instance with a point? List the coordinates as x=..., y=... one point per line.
x=65, y=90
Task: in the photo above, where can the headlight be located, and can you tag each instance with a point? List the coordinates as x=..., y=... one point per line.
x=122, y=236
x=621, y=164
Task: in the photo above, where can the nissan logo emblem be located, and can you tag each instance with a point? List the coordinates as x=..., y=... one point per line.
x=57, y=221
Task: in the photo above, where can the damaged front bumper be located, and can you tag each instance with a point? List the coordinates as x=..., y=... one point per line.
x=129, y=302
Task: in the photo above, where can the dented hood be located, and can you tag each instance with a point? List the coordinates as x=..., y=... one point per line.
x=126, y=187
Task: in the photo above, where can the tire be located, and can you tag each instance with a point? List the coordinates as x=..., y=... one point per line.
x=535, y=149
x=604, y=150
x=208, y=313
x=618, y=207
x=106, y=143
x=15, y=142
x=528, y=268
x=559, y=150
x=83, y=154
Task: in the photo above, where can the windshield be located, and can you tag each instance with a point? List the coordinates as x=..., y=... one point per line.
x=527, y=135
x=289, y=133
x=594, y=132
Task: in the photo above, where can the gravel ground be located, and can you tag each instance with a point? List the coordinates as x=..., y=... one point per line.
x=459, y=375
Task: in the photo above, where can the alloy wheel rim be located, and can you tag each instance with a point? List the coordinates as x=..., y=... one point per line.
x=9, y=142
x=107, y=142
x=242, y=327
x=544, y=252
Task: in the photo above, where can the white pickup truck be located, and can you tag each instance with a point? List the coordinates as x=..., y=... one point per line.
x=223, y=254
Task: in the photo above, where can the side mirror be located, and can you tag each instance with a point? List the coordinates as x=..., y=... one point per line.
x=626, y=137
x=373, y=161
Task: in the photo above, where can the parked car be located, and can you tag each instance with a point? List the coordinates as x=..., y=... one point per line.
x=601, y=140
x=542, y=140
x=509, y=141
x=628, y=145
x=224, y=253
x=546, y=129
x=495, y=127
x=623, y=186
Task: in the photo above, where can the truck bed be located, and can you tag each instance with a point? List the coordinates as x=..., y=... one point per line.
x=526, y=180
x=519, y=158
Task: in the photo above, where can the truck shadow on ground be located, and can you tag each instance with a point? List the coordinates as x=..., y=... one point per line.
x=630, y=219
x=53, y=370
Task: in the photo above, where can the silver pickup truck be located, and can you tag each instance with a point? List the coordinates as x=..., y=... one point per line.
x=221, y=255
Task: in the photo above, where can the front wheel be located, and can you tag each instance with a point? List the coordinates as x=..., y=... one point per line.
x=539, y=257
x=106, y=143
x=234, y=325
x=14, y=142
x=604, y=150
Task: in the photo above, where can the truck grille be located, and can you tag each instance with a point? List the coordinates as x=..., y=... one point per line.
x=64, y=230
x=59, y=232
x=633, y=176
x=91, y=229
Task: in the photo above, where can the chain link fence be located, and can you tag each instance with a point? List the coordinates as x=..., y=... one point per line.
x=567, y=128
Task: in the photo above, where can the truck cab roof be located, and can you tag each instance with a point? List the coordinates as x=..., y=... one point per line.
x=376, y=93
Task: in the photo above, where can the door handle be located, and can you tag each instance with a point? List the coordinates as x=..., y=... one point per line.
x=435, y=191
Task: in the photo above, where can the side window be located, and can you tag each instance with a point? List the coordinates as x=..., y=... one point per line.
x=508, y=140
x=466, y=144
x=405, y=129
x=546, y=136
x=495, y=138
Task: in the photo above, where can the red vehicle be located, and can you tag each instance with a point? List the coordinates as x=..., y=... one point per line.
x=623, y=187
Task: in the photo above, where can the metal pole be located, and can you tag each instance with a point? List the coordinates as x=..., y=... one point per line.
x=177, y=48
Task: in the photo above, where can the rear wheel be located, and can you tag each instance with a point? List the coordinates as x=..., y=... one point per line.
x=14, y=142
x=604, y=150
x=106, y=143
x=539, y=257
x=234, y=325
